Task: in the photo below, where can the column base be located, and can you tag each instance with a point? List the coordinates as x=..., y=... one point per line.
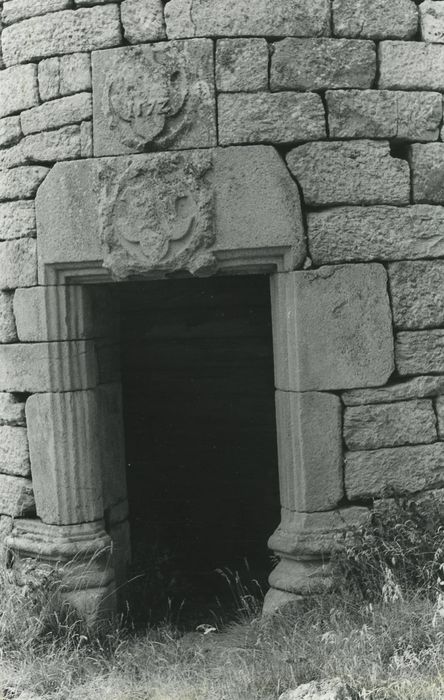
x=76, y=560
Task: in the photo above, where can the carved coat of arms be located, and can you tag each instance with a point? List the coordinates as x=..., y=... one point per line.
x=157, y=213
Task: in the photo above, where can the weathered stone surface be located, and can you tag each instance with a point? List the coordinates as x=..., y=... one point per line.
x=7, y=324
x=16, y=496
x=14, y=451
x=376, y=233
x=427, y=163
x=310, y=450
x=52, y=146
x=18, y=89
x=267, y=118
x=301, y=577
x=12, y=410
x=64, y=75
x=360, y=172
x=16, y=10
x=39, y=367
x=5, y=530
x=317, y=64
x=375, y=19
x=111, y=438
x=279, y=601
x=66, y=110
x=417, y=292
x=242, y=65
x=18, y=263
x=68, y=31
x=388, y=425
x=417, y=388
x=86, y=140
x=17, y=220
x=156, y=95
x=10, y=131
x=21, y=183
x=431, y=13
x=440, y=415
x=331, y=689
x=190, y=18
x=64, y=451
x=332, y=328
x=394, y=470
x=420, y=352
x=257, y=220
x=407, y=116
x=411, y=65
x=310, y=535
x=75, y=319
x=142, y=20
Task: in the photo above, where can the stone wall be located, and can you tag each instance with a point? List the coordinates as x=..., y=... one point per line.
x=349, y=93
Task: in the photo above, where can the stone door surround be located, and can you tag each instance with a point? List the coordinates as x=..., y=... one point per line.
x=190, y=212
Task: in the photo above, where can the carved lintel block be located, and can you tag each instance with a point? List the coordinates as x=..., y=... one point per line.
x=309, y=430
x=65, y=456
x=149, y=215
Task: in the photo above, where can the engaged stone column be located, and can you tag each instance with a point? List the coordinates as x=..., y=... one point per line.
x=332, y=330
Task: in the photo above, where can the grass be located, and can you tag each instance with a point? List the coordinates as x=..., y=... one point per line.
x=379, y=632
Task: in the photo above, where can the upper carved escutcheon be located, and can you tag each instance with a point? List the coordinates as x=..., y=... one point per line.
x=144, y=100
x=158, y=214
x=154, y=97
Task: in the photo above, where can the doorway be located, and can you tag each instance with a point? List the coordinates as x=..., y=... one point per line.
x=200, y=435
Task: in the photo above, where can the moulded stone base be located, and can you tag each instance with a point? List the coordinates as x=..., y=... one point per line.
x=77, y=559
x=277, y=601
x=301, y=578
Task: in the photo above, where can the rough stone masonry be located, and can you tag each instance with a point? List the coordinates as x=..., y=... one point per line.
x=303, y=138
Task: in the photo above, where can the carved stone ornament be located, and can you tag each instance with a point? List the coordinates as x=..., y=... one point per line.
x=154, y=96
x=157, y=215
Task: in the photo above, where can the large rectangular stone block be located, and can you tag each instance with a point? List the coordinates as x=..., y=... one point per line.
x=420, y=352
x=18, y=89
x=65, y=457
x=411, y=65
x=134, y=110
x=39, y=367
x=12, y=409
x=427, y=164
x=359, y=172
x=8, y=331
x=332, y=328
x=417, y=388
x=17, y=10
x=394, y=470
x=10, y=131
x=14, y=451
x=17, y=220
x=375, y=19
x=344, y=234
x=310, y=450
x=16, y=496
x=319, y=64
x=21, y=183
x=262, y=117
x=142, y=20
x=384, y=114
x=189, y=18
x=389, y=425
x=18, y=263
x=51, y=115
x=242, y=65
x=68, y=31
x=431, y=13
x=417, y=292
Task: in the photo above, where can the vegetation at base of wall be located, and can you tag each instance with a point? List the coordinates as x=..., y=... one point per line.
x=381, y=631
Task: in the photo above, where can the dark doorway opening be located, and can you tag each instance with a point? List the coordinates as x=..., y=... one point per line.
x=200, y=430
